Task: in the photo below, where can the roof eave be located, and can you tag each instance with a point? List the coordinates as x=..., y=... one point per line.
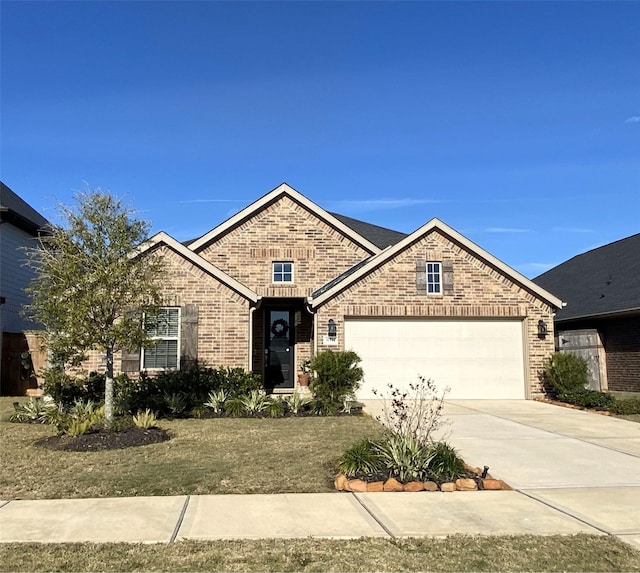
x=196, y=259
x=283, y=189
x=610, y=314
x=436, y=224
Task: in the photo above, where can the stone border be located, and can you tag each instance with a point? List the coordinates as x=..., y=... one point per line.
x=342, y=483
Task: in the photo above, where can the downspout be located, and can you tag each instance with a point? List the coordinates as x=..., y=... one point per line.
x=315, y=325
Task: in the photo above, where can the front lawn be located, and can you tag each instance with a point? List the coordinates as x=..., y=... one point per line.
x=210, y=456
x=455, y=553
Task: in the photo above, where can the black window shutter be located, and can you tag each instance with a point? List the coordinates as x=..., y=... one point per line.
x=188, y=336
x=447, y=277
x=421, y=276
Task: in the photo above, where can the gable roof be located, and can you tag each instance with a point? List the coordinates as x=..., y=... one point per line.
x=600, y=282
x=271, y=197
x=162, y=238
x=379, y=236
x=17, y=211
x=327, y=292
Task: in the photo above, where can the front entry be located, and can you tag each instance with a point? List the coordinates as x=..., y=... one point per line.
x=279, y=348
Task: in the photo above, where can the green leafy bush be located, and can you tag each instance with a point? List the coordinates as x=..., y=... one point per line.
x=179, y=391
x=625, y=406
x=64, y=389
x=361, y=460
x=565, y=373
x=445, y=464
x=296, y=403
x=587, y=399
x=404, y=457
x=337, y=377
x=81, y=418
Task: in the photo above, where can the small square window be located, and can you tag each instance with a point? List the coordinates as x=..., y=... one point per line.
x=282, y=272
x=434, y=278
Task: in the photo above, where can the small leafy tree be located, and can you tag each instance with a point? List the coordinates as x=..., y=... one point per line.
x=565, y=373
x=90, y=288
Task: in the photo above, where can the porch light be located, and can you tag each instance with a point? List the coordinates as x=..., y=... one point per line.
x=542, y=329
x=332, y=329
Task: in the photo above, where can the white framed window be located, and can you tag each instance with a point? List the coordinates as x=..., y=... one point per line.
x=164, y=330
x=282, y=272
x=434, y=278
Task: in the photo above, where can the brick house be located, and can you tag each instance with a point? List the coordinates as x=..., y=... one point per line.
x=283, y=279
x=601, y=320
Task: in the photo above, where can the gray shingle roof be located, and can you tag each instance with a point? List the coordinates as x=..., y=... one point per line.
x=602, y=281
x=19, y=212
x=379, y=236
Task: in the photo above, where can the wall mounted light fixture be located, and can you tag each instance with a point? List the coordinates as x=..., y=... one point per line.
x=332, y=329
x=542, y=329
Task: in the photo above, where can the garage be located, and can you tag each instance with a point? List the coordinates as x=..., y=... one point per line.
x=476, y=359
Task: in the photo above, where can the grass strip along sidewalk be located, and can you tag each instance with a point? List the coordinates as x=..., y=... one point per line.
x=456, y=553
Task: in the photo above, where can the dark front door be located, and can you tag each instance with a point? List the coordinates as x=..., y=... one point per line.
x=279, y=370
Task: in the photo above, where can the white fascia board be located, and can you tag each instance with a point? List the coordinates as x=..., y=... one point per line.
x=283, y=189
x=197, y=260
x=435, y=223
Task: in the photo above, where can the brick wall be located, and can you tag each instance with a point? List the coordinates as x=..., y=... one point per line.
x=284, y=231
x=223, y=315
x=621, y=338
x=479, y=291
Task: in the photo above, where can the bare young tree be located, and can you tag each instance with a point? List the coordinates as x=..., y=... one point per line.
x=91, y=289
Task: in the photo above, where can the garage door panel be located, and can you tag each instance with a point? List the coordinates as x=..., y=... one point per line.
x=476, y=359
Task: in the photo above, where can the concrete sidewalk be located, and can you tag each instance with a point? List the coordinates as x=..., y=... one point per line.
x=572, y=471
x=329, y=515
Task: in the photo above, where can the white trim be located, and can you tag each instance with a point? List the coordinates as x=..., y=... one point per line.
x=163, y=338
x=283, y=272
x=436, y=224
x=280, y=191
x=163, y=238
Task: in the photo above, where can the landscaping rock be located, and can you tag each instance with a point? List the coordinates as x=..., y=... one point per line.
x=375, y=486
x=472, y=469
x=340, y=482
x=505, y=486
x=413, y=486
x=448, y=486
x=392, y=484
x=466, y=484
x=492, y=484
x=430, y=486
x=356, y=485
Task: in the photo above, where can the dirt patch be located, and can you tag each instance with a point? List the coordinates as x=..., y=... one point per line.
x=104, y=440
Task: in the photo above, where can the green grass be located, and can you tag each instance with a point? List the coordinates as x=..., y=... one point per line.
x=456, y=553
x=210, y=456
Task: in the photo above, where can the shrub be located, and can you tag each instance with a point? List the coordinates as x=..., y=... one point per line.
x=276, y=408
x=337, y=377
x=234, y=406
x=445, y=464
x=565, y=373
x=216, y=401
x=404, y=457
x=297, y=403
x=360, y=460
x=41, y=411
x=587, y=398
x=145, y=420
x=254, y=403
x=81, y=418
x=193, y=385
x=416, y=412
x=625, y=406
x=64, y=389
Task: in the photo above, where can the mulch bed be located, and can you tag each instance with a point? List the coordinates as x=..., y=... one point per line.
x=104, y=440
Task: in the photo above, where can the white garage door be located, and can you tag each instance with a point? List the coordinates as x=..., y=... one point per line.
x=475, y=358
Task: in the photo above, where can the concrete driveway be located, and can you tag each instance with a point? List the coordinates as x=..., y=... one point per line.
x=580, y=463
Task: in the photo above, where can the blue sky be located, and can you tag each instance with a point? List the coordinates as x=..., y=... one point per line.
x=518, y=124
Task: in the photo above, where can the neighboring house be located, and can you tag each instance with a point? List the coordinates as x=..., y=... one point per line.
x=284, y=279
x=20, y=349
x=601, y=320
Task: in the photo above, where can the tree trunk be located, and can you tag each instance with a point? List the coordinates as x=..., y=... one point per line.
x=108, y=390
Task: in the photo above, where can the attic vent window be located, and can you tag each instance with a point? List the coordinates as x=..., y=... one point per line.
x=282, y=272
